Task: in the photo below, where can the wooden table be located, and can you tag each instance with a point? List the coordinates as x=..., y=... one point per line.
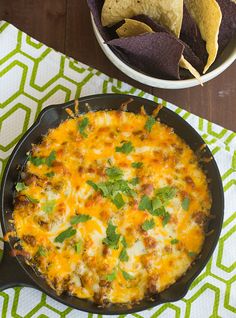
x=65, y=26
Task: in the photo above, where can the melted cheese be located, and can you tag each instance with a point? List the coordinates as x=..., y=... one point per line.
x=153, y=262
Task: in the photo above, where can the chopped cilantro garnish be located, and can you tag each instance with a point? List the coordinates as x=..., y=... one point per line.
x=92, y=184
x=126, y=147
x=136, y=165
x=50, y=174
x=123, y=255
x=111, y=277
x=149, y=123
x=48, y=206
x=159, y=212
x=134, y=181
x=118, y=201
x=166, y=218
x=114, y=173
x=145, y=203
x=148, y=225
x=32, y=199
x=37, y=161
x=41, y=251
x=165, y=194
x=49, y=160
x=156, y=203
x=82, y=126
x=65, y=234
x=123, y=242
x=81, y=218
x=20, y=186
x=112, y=238
x=192, y=254
x=185, y=203
x=174, y=241
x=78, y=246
x=126, y=275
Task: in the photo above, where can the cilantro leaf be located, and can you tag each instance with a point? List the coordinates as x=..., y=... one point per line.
x=192, y=254
x=126, y=275
x=49, y=206
x=174, y=241
x=78, y=246
x=92, y=184
x=156, y=203
x=81, y=218
x=166, y=218
x=65, y=234
x=111, y=277
x=118, y=201
x=123, y=255
x=20, y=186
x=112, y=238
x=32, y=199
x=126, y=148
x=136, y=165
x=148, y=225
x=134, y=181
x=159, y=212
x=37, y=161
x=165, y=194
x=41, y=251
x=82, y=126
x=149, y=123
x=50, y=174
x=145, y=203
x=123, y=242
x=114, y=173
x=49, y=160
x=185, y=203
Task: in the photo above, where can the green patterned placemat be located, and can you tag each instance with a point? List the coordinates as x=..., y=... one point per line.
x=33, y=76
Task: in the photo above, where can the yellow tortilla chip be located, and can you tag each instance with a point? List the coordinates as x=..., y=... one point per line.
x=185, y=64
x=168, y=13
x=133, y=28
x=208, y=16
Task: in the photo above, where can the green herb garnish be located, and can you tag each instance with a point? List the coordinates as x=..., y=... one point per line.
x=114, y=173
x=111, y=277
x=134, y=181
x=82, y=126
x=78, y=246
x=35, y=201
x=148, y=225
x=49, y=160
x=174, y=241
x=166, y=218
x=126, y=275
x=185, y=203
x=37, y=161
x=145, y=203
x=137, y=165
x=165, y=194
x=48, y=206
x=41, y=251
x=81, y=218
x=192, y=254
x=123, y=255
x=65, y=235
x=92, y=184
x=20, y=186
x=149, y=123
x=126, y=148
x=123, y=242
x=50, y=174
x=112, y=238
x=118, y=201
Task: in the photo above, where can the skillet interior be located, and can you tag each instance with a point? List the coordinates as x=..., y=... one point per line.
x=51, y=118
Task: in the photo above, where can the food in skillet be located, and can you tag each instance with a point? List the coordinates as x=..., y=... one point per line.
x=112, y=207
x=169, y=39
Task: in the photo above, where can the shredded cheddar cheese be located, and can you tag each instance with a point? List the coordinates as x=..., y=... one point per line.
x=112, y=207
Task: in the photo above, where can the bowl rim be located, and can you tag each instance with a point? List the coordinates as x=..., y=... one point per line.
x=154, y=81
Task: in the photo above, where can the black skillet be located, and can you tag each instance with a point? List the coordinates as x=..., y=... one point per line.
x=15, y=272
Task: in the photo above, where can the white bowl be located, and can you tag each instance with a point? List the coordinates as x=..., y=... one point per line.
x=222, y=63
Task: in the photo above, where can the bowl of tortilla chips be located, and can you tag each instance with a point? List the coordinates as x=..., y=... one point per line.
x=167, y=43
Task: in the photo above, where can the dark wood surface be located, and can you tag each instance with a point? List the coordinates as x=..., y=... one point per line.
x=65, y=26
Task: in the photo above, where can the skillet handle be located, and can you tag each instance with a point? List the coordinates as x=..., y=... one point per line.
x=11, y=273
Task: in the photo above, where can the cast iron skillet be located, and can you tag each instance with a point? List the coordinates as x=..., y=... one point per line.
x=15, y=272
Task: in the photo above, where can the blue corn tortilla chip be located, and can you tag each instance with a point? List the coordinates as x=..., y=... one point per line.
x=188, y=53
x=155, y=54
x=228, y=23
x=191, y=35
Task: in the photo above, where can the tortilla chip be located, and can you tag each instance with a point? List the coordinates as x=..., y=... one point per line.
x=156, y=54
x=133, y=28
x=190, y=34
x=186, y=65
x=228, y=24
x=168, y=13
x=208, y=16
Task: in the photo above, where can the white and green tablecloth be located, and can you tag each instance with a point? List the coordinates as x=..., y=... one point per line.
x=33, y=76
